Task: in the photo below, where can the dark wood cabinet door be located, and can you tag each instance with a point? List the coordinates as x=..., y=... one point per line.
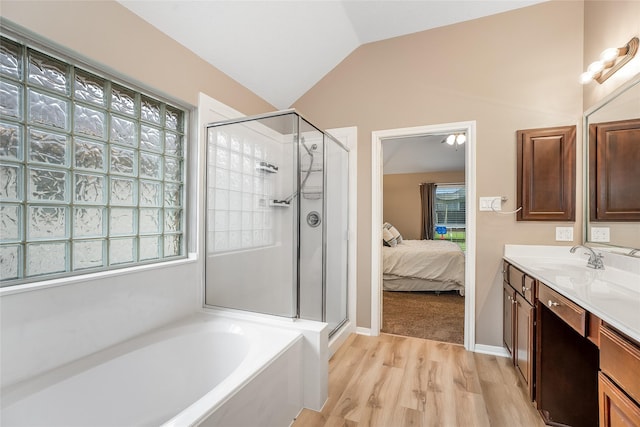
x=616, y=408
x=508, y=302
x=614, y=171
x=547, y=174
x=523, y=345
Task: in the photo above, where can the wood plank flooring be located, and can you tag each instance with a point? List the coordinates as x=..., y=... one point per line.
x=396, y=381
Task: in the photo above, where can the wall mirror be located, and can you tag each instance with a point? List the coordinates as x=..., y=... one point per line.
x=611, y=179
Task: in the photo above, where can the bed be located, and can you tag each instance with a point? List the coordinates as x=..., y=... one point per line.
x=423, y=265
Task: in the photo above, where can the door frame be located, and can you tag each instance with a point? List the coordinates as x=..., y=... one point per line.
x=377, y=138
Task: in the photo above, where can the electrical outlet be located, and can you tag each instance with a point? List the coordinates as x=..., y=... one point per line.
x=600, y=234
x=486, y=203
x=564, y=234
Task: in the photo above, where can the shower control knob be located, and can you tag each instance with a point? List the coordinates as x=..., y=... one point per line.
x=313, y=219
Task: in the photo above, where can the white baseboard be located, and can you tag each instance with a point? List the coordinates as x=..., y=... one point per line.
x=363, y=331
x=493, y=350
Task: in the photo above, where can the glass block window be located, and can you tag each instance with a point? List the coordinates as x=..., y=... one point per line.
x=91, y=171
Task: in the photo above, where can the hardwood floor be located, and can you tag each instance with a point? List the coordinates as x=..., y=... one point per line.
x=395, y=381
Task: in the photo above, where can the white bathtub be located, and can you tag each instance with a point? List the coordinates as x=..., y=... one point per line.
x=204, y=370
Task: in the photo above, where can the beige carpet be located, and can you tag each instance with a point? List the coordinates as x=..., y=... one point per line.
x=424, y=315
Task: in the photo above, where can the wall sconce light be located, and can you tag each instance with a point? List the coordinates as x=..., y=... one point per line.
x=611, y=60
x=456, y=139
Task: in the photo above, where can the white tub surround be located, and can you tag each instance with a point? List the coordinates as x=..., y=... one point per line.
x=203, y=370
x=612, y=294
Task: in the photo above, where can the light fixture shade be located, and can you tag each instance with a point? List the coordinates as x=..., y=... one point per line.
x=461, y=138
x=451, y=139
x=595, y=68
x=586, y=77
x=608, y=56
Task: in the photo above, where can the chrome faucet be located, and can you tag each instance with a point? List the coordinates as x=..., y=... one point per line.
x=595, y=259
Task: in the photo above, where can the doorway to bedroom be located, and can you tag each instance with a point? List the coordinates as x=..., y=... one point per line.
x=424, y=221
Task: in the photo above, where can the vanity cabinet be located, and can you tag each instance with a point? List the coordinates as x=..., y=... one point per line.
x=619, y=379
x=518, y=291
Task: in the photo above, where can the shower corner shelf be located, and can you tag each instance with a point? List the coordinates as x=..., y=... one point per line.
x=266, y=167
x=279, y=203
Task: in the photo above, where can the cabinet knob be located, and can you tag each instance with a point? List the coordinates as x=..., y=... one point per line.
x=552, y=304
x=525, y=289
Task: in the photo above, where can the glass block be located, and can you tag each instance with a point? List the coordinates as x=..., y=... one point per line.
x=122, y=251
x=149, y=247
x=48, y=184
x=222, y=178
x=173, y=144
x=10, y=182
x=172, y=245
x=89, y=88
x=89, y=188
x=257, y=151
x=247, y=184
x=247, y=239
x=221, y=221
x=123, y=160
x=247, y=220
x=150, y=165
x=10, y=222
x=10, y=99
x=150, y=111
x=257, y=237
x=48, y=110
x=46, y=222
x=88, y=254
x=222, y=140
x=234, y=240
x=46, y=258
x=172, y=220
x=48, y=147
x=89, y=222
x=247, y=148
x=10, y=141
x=267, y=237
x=222, y=158
x=149, y=222
x=257, y=220
x=235, y=220
x=123, y=131
x=172, y=169
x=48, y=73
x=89, y=155
x=247, y=202
x=10, y=59
x=221, y=241
x=173, y=119
x=235, y=181
x=235, y=162
x=150, y=193
x=150, y=138
x=173, y=195
x=248, y=165
x=258, y=184
x=89, y=121
x=122, y=221
x=235, y=143
x=235, y=200
x=122, y=192
x=267, y=220
x=10, y=262
x=123, y=100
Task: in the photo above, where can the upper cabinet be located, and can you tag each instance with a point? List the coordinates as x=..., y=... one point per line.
x=614, y=157
x=547, y=174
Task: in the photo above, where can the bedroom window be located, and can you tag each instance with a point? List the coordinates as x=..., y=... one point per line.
x=91, y=171
x=450, y=212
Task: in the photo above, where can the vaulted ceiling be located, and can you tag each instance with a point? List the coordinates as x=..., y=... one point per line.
x=281, y=49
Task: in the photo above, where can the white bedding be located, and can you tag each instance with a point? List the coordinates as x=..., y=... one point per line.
x=436, y=264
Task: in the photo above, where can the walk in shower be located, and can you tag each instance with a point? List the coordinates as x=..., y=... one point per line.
x=276, y=218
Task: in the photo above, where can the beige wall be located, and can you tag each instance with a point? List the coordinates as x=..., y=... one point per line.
x=401, y=198
x=516, y=70
x=106, y=33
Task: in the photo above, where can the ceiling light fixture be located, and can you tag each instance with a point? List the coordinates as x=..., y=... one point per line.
x=611, y=60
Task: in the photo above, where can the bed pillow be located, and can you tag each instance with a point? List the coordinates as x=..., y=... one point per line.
x=394, y=231
x=388, y=238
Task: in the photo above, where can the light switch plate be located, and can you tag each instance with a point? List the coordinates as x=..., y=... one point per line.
x=487, y=202
x=564, y=234
x=600, y=234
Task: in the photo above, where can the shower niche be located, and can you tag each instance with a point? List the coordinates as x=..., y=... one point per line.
x=276, y=218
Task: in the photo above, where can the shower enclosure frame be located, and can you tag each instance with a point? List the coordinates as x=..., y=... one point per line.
x=297, y=194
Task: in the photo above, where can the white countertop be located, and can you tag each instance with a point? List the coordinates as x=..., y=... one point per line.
x=612, y=294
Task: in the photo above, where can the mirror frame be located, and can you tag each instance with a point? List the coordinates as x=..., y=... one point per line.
x=633, y=81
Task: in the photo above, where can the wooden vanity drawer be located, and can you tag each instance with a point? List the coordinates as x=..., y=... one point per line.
x=574, y=315
x=516, y=278
x=529, y=289
x=620, y=360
